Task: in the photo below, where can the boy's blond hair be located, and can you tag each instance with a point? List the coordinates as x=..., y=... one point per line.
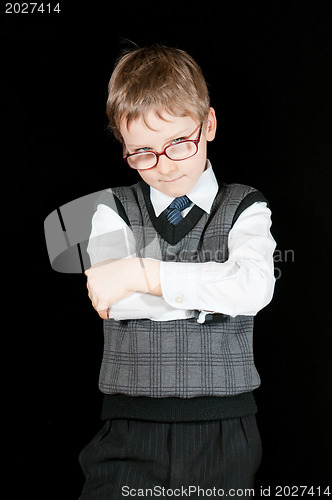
x=156, y=78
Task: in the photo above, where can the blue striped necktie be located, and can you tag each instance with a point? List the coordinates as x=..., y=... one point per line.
x=173, y=213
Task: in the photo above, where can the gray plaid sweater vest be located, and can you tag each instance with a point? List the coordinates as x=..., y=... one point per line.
x=182, y=358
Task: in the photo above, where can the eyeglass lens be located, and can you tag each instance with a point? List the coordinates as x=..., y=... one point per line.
x=181, y=151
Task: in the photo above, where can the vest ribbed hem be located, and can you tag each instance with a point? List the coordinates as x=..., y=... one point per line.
x=119, y=406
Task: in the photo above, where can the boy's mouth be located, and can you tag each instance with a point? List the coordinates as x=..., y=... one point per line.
x=174, y=180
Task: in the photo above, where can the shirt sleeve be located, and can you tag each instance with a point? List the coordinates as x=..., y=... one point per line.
x=111, y=238
x=242, y=285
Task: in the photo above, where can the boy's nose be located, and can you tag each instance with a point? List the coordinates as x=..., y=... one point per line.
x=166, y=166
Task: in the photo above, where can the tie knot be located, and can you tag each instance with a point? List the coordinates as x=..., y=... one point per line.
x=180, y=203
x=175, y=208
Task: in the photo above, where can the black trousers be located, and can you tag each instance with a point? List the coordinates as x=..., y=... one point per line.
x=129, y=458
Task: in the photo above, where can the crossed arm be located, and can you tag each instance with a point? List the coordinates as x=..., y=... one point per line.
x=243, y=284
x=111, y=281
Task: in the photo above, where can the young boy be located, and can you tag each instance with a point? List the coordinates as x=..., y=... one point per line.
x=180, y=267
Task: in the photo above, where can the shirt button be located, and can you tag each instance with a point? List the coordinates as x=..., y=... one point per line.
x=179, y=300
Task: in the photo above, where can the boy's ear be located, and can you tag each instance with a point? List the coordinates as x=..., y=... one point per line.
x=211, y=125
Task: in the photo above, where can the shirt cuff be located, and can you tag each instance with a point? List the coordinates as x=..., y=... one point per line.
x=178, y=284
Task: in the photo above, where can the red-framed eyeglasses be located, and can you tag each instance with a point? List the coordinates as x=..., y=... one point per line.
x=182, y=150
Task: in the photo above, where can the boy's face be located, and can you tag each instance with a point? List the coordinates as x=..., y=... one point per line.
x=173, y=178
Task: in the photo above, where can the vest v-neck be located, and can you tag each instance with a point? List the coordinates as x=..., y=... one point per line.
x=171, y=234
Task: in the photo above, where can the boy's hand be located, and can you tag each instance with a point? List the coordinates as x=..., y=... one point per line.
x=110, y=281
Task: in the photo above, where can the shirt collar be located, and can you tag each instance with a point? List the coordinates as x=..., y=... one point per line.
x=202, y=194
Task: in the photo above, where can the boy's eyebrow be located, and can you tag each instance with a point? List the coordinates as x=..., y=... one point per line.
x=174, y=136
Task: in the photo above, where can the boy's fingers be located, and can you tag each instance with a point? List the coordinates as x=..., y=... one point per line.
x=103, y=313
x=89, y=293
x=100, y=306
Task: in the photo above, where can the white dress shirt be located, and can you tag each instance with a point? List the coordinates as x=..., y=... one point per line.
x=243, y=284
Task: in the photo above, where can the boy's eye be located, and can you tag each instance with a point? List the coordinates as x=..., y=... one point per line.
x=179, y=139
x=146, y=149
x=142, y=150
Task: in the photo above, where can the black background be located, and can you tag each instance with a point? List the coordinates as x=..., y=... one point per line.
x=269, y=70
